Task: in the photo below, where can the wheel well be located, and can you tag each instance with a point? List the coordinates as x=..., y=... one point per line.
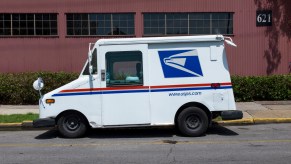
x=195, y=104
x=72, y=111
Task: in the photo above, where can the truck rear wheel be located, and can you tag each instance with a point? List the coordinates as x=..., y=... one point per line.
x=192, y=121
x=72, y=125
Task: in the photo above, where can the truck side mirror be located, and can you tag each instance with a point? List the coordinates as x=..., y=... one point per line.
x=90, y=69
x=38, y=84
x=89, y=62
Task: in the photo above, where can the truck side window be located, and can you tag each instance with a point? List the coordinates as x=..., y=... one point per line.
x=124, y=68
x=93, y=62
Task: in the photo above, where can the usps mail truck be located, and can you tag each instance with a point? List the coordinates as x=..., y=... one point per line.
x=155, y=81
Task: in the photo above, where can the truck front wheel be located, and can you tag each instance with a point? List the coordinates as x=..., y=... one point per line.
x=72, y=125
x=192, y=121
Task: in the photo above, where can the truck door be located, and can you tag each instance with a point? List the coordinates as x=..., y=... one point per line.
x=125, y=95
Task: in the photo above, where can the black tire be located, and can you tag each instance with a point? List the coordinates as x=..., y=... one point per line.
x=192, y=121
x=72, y=125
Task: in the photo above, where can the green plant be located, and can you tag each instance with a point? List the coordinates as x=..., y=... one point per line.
x=17, y=118
x=17, y=88
x=250, y=88
x=120, y=76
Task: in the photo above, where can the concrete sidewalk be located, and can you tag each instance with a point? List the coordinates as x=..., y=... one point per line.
x=253, y=112
x=263, y=112
x=18, y=109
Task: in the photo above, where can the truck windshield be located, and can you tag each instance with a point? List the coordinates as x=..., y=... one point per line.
x=93, y=62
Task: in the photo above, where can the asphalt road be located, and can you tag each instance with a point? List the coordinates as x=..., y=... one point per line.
x=269, y=143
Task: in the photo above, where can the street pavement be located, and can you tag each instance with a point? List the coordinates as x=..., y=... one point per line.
x=253, y=112
x=264, y=143
x=259, y=143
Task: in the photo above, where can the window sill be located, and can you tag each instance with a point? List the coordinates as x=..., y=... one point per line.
x=100, y=36
x=229, y=35
x=145, y=35
x=29, y=36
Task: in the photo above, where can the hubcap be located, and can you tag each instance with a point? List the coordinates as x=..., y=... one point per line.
x=72, y=123
x=193, y=122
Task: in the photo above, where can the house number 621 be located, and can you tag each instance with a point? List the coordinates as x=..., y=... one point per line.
x=263, y=18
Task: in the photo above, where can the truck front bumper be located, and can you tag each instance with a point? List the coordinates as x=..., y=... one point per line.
x=231, y=115
x=44, y=122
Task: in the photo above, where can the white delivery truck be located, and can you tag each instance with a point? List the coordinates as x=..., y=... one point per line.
x=182, y=81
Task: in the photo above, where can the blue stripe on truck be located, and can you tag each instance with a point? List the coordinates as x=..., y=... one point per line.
x=138, y=91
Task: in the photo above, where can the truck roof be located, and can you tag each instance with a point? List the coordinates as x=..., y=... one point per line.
x=146, y=40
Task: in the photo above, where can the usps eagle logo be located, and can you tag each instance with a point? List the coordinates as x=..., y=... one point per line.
x=180, y=63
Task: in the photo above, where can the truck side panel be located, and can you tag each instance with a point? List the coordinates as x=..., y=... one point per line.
x=182, y=73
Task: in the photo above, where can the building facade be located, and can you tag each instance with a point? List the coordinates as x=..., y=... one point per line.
x=52, y=35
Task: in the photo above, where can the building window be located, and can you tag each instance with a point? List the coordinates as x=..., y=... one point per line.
x=176, y=24
x=188, y=23
x=154, y=24
x=28, y=24
x=100, y=24
x=5, y=24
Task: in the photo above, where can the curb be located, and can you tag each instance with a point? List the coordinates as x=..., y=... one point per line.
x=250, y=121
x=271, y=120
x=246, y=121
x=10, y=126
x=27, y=125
